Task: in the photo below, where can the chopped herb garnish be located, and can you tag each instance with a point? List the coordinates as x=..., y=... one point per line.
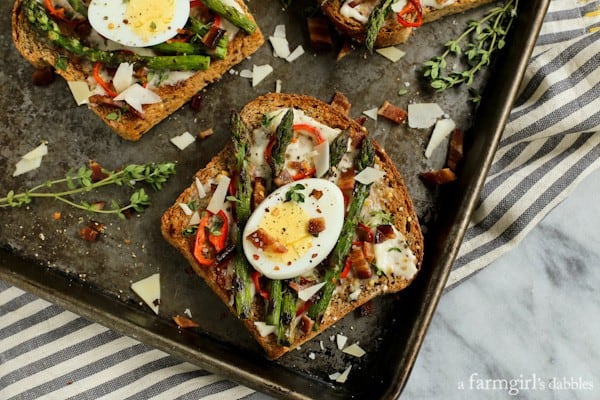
x=61, y=63
x=294, y=195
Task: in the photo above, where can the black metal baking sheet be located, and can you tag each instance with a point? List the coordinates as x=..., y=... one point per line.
x=46, y=256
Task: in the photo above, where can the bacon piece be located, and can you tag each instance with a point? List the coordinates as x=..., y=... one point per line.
x=92, y=231
x=184, y=322
x=97, y=173
x=383, y=233
x=361, y=120
x=316, y=226
x=318, y=31
x=347, y=48
x=392, y=112
x=361, y=267
x=369, y=251
x=306, y=324
x=262, y=240
x=212, y=37
x=346, y=180
x=455, y=149
x=438, y=177
x=341, y=103
x=317, y=194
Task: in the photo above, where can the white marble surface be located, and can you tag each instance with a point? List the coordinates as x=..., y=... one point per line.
x=533, y=315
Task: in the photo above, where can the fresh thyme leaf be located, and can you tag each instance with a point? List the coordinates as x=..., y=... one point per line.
x=475, y=47
x=294, y=195
x=81, y=182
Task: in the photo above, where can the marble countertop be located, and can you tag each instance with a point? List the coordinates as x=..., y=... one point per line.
x=527, y=325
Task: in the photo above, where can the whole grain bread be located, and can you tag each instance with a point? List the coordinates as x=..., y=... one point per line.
x=40, y=52
x=392, y=32
x=392, y=193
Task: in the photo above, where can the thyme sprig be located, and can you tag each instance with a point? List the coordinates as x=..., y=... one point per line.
x=475, y=45
x=83, y=180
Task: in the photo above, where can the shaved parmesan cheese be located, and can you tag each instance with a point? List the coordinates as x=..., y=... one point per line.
x=188, y=312
x=279, y=31
x=24, y=165
x=136, y=96
x=306, y=294
x=200, y=188
x=334, y=376
x=123, y=77
x=259, y=73
x=184, y=140
x=280, y=45
x=186, y=209
x=218, y=198
x=372, y=113
x=391, y=53
x=344, y=376
x=442, y=129
x=30, y=161
x=354, y=350
x=264, y=329
x=80, y=91
x=195, y=220
x=149, y=291
x=423, y=115
x=321, y=158
x=298, y=51
x=341, y=341
x=246, y=73
x=38, y=152
x=278, y=86
x=369, y=175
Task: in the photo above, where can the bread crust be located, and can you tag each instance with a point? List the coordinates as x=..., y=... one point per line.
x=394, y=197
x=41, y=53
x=392, y=32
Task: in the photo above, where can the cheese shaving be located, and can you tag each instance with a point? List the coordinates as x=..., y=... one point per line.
x=184, y=140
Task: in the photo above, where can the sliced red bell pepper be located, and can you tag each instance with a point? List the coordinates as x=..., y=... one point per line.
x=269, y=149
x=412, y=6
x=219, y=240
x=256, y=279
x=304, y=174
x=104, y=85
x=58, y=13
x=313, y=131
x=203, y=251
x=303, y=308
x=346, y=270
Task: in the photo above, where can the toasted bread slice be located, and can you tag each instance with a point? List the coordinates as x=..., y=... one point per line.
x=387, y=194
x=392, y=32
x=40, y=52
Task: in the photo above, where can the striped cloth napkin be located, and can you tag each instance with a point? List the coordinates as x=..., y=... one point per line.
x=551, y=143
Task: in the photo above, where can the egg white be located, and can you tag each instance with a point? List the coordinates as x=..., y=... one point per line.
x=330, y=206
x=107, y=18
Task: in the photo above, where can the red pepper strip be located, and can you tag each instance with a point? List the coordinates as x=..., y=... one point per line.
x=346, y=270
x=313, y=132
x=303, y=308
x=58, y=13
x=412, y=6
x=304, y=174
x=101, y=82
x=197, y=3
x=217, y=22
x=203, y=253
x=219, y=241
x=256, y=279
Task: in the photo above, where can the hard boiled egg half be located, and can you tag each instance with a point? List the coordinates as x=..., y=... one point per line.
x=294, y=228
x=138, y=23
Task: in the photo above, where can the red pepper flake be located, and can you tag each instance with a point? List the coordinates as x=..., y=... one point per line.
x=56, y=215
x=256, y=256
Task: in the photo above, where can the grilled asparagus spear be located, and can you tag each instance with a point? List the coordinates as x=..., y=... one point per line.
x=283, y=136
x=232, y=14
x=376, y=21
x=366, y=158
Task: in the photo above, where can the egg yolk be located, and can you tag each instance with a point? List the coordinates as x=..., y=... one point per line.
x=288, y=223
x=149, y=17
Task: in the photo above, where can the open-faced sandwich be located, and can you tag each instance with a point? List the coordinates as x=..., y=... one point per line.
x=135, y=62
x=381, y=23
x=299, y=220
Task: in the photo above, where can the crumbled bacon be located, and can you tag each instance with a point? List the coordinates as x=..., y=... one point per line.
x=262, y=240
x=455, y=149
x=184, y=322
x=317, y=194
x=383, y=233
x=320, y=36
x=92, y=231
x=438, y=177
x=97, y=173
x=392, y=112
x=259, y=191
x=341, y=103
x=362, y=268
x=306, y=324
x=369, y=251
x=346, y=179
x=316, y=226
x=361, y=120
x=212, y=37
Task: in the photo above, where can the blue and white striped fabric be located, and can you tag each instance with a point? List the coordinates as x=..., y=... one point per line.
x=551, y=143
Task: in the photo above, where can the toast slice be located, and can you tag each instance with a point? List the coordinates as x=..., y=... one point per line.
x=40, y=52
x=392, y=32
x=388, y=203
